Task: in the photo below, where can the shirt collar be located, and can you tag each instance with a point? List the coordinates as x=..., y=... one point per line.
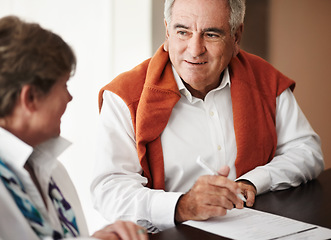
x=13, y=151
x=43, y=157
x=183, y=90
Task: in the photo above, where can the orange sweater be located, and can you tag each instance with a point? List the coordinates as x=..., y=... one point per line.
x=150, y=92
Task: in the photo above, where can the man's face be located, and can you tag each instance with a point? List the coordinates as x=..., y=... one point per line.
x=200, y=44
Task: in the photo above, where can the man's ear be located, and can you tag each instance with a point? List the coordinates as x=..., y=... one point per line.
x=165, y=45
x=237, y=39
x=28, y=98
x=166, y=28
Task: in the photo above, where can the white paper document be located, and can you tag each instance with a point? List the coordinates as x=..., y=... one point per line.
x=247, y=224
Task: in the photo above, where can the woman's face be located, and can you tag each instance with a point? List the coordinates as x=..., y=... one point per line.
x=51, y=108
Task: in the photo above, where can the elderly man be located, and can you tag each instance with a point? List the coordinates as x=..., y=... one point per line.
x=199, y=96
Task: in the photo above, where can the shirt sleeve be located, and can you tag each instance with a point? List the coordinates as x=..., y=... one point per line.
x=298, y=156
x=118, y=188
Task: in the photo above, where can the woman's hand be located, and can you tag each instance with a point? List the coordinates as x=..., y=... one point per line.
x=122, y=230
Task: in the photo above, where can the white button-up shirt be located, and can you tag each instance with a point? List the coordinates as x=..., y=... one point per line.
x=15, y=153
x=196, y=128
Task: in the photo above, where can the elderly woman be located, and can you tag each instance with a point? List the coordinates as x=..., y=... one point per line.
x=38, y=200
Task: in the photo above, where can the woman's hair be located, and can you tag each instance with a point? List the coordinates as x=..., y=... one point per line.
x=237, y=13
x=30, y=55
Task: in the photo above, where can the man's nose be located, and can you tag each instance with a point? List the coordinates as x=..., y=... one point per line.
x=196, y=45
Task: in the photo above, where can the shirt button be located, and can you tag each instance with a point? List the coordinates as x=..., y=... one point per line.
x=219, y=147
x=211, y=113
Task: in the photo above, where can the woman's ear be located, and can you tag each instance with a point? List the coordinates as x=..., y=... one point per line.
x=28, y=98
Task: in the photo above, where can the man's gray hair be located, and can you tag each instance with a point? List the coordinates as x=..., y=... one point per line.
x=237, y=13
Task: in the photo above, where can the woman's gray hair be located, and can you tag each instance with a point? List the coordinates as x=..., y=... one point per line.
x=237, y=8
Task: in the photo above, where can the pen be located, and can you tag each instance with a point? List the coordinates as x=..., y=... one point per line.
x=212, y=171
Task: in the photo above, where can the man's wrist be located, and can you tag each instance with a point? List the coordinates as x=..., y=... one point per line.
x=177, y=217
x=245, y=181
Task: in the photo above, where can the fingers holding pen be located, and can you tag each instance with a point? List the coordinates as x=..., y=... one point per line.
x=232, y=189
x=224, y=172
x=209, y=197
x=216, y=193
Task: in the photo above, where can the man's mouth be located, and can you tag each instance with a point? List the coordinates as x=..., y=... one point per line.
x=196, y=63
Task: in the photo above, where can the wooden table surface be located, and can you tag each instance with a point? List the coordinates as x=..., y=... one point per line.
x=309, y=203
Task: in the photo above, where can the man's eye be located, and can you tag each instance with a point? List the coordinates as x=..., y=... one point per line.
x=182, y=33
x=212, y=35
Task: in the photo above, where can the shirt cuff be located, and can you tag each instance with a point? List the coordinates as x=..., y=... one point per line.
x=163, y=209
x=259, y=177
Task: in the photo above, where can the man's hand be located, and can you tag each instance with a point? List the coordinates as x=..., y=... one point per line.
x=248, y=190
x=210, y=196
x=122, y=230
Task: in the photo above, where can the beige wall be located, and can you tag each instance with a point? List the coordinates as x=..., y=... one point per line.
x=300, y=47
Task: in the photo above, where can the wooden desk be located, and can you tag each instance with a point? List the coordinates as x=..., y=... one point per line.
x=309, y=203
